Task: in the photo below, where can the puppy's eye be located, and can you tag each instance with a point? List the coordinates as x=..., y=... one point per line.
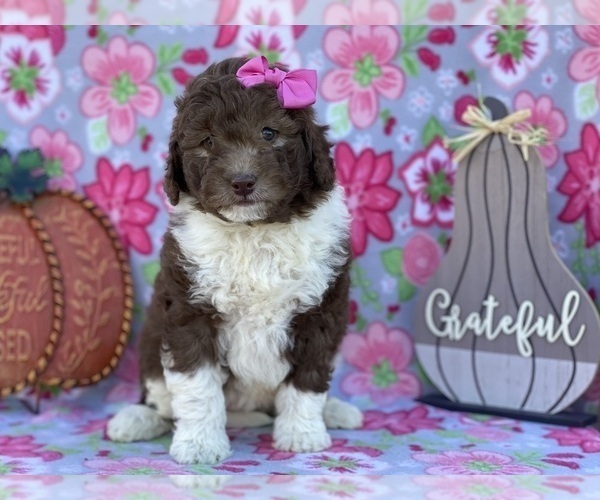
x=207, y=143
x=268, y=134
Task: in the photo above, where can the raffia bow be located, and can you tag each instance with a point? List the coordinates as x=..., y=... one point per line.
x=483, y=127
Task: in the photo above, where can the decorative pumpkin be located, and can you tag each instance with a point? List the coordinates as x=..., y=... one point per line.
x=65, y=284
x=503, y=323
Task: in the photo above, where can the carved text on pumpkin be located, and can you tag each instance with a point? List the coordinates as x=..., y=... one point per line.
x=522, y=325
x=89, y=292
x=17, y=295
x=15, y=345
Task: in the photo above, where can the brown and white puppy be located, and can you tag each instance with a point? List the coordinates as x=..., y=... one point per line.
x=251, y=302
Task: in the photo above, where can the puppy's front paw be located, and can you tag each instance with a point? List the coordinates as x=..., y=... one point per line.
x=200, y=448
x=301, y=437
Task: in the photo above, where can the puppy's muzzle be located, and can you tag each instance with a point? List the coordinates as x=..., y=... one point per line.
x=243, y=185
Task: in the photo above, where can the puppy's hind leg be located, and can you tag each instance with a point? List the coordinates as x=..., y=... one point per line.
x=341, y=415
x=143, y=422
x=137, y=423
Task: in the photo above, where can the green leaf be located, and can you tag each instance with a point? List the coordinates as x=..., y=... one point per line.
x=3, y=135
x=30, y=160
x=5, y=162
x=442, y=240
x=97, y=133
x=413, y=34
x=406, y=290
x=150, y=271
x=101, y=37
x=165, y=83
x=361, y=323
x=409, y=64
x=413, y=10
x=392, y=261
x=432, y=129
x=338, y=119
x=449, y=434
x=586, y=100
x=24, y=177
x=168, y=54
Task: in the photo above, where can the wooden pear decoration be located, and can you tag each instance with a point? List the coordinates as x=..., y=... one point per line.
x=503, y=323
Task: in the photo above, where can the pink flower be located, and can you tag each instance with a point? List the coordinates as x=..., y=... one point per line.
x=56, y=34
x=472, y=463
x=276, y=43
x=510, y=52
x=429, y=177
x=132, y=488
x=369, y=12
x=122, y=19
x=13, y=467
x=281, y=12
x=63, y=157
x=545, y=116
x=32, y=12
x=25, y=447
x=585, y=64
x=339, y=463
x=134, y=465
x=265, y=447
x=586, y=438
x=382, y=357
x=120, y=194
x=122, y=71
x=512, y=12
x=29, y=82
x=401, y=422
x=365, y=54
x=487, y=432
x=590, y=9
x=581, y=184
x=368, y=196
x=473, y=488
x=421, y=257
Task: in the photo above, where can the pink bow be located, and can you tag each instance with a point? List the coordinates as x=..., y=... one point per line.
x=295, y=89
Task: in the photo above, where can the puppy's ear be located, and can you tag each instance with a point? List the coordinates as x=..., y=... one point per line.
x=174, y=182
x=318, y=149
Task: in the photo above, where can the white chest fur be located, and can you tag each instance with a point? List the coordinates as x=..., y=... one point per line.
x=259, y=277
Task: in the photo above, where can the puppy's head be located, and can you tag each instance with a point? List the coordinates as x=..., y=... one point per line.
x=241, y=156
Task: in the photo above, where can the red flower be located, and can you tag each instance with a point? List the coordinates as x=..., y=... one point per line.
x=401, y=422
x=440, y=36
x=369, y=198
x=181, y=76
x=461, y=105
x=195, y=56
x=429, y=58
x=582, y=184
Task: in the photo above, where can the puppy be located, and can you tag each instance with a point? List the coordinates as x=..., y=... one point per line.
x=251, y=302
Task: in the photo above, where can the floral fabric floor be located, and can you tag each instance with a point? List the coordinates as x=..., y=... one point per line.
x=68, y=437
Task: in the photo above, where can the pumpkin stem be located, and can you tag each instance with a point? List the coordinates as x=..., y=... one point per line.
x=23, y=177
x=497, y=108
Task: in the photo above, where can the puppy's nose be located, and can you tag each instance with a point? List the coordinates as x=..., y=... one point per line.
x=243, y=185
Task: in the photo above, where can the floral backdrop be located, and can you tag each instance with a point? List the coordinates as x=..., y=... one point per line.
x=331, y=12
x=98, y=102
